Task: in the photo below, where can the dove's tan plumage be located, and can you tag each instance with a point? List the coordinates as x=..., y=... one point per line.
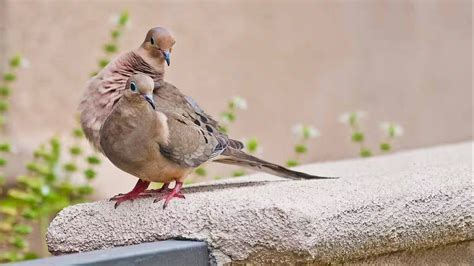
x=132, y=134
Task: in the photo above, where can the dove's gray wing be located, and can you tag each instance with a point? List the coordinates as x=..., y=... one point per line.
x=194, y=137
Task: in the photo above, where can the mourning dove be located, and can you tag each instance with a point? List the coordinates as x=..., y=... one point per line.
x=160, y=135
x=105, y=89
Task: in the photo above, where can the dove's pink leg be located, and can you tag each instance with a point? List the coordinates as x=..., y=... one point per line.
x=174, y=193
x=134, y=194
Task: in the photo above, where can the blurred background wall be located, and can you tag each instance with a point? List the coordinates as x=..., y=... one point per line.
x=294, y=62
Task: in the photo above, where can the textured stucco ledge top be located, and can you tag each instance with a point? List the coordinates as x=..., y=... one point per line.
x=408, y=200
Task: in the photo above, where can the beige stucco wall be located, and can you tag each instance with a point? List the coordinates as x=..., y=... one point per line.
x=294, y=61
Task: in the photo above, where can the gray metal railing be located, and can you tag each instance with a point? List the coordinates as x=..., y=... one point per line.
x=169, y=252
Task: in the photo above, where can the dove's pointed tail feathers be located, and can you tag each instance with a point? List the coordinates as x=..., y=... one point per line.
x=240, y=158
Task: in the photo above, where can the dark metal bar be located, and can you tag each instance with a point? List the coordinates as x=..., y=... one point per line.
x=169, y=252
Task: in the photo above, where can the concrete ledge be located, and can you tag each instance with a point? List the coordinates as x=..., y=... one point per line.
x=406, y=201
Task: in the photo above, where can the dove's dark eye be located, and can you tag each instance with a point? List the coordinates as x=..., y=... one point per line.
x=152, y=41
x=133, y=87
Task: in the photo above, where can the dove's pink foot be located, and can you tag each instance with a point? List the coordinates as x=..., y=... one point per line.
x=174, y=193
x=134, y=194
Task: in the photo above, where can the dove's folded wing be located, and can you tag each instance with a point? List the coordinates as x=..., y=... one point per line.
x=194, y=137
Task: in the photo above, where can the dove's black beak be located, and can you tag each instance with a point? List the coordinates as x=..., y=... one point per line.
x=149, y=99
x=166, y=54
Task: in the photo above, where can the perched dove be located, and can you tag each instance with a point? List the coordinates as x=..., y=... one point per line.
x=160, y=135
x=193, y=137
x=105, y=89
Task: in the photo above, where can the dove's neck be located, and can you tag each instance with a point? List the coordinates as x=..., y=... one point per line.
x=154, y=60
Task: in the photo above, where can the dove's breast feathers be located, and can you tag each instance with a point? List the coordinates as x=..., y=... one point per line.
x=131, y=137
x=105, y=89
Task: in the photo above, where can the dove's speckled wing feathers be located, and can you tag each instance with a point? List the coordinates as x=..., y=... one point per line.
x=194, y=137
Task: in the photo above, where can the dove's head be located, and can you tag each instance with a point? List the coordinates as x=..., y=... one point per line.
x=139, y=88
x=158, y=44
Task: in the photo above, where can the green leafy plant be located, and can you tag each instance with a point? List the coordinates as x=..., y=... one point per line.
x=111, y=47
x=304, y=133
x=48, y=186
x=58, y=176
x=15, y=62
x=392, y=130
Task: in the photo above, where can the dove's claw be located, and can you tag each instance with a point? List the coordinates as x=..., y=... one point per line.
x=173, y=193
x=134, y=194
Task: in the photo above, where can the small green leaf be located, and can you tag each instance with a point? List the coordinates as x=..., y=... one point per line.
x=238, y=173
x=30, y=256
x=78, y=133
x=23, y=196
x=30, y=182
x=10, y=256
x=201, y=171
x=94, y=73
x=115, y=34
x=353, y=119
x=3, y=162
x=5, y=147
x=228, y=116
x=9, y=76
x=188, y=181
x=90, y=174
x=110, y=48
x=217, y=177
x=85, y=190
x=15, y=61
x=223, y=129
x=365, y=153
x=4, y=106
x=385, y=146
x=22, y=229
x=358, y=137
x=5, y=91
x=301, y=148
x=252, y=145
x=75, y=150
x=8, y=210
x=391, y=131
x=30, y=214
x=70, y=167
x=18, y=242
x=103, y=62
x=292, y=163
x=123, y=19
x=93, y=159
x=33, y=167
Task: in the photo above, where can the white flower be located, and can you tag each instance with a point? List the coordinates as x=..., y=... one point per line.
x=24, y=63
x=347, y=117
x=305, y=131
x=239, y=102
x=392, y=129
x=114, y=19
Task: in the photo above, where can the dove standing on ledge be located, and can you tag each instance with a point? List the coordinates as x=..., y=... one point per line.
x=158, y=136
x=184, y=136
